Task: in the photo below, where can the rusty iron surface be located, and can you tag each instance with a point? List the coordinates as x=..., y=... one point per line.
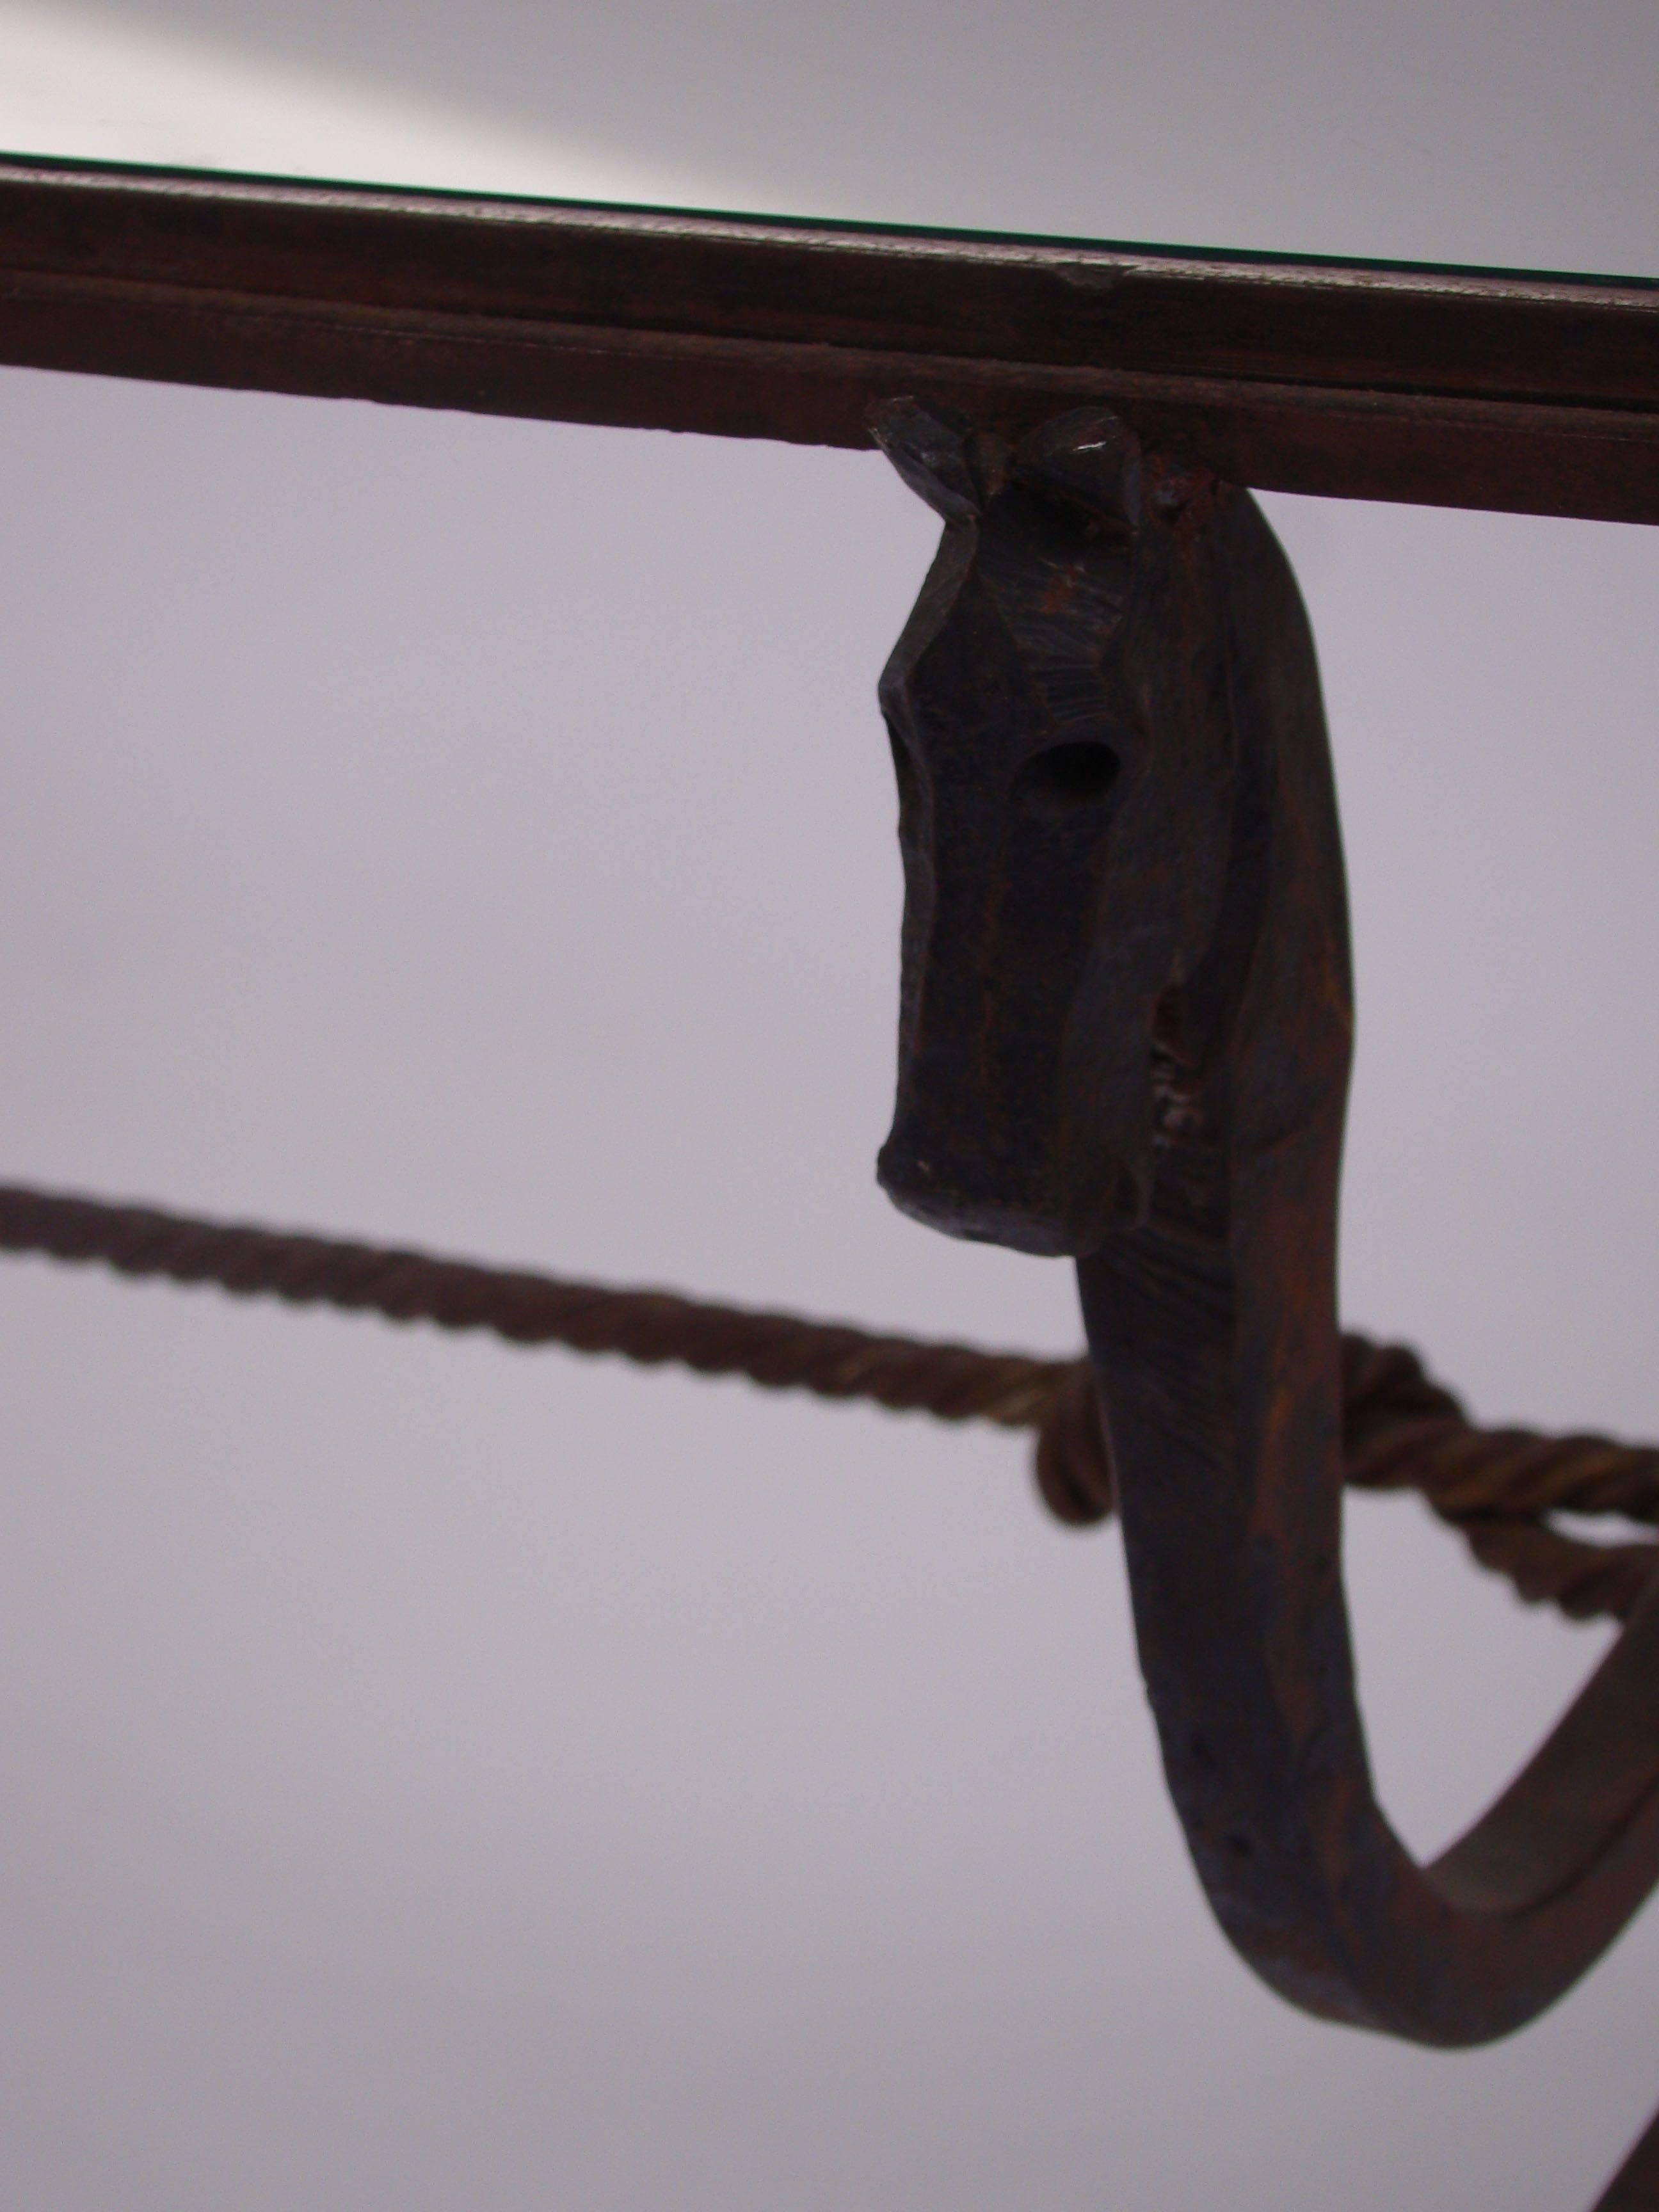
x=1125, y=1032
x=1441, y=387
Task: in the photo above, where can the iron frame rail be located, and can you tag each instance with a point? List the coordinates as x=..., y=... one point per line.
x=1489, y=389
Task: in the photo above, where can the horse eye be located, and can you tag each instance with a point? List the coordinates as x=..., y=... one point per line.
x=1068, y=775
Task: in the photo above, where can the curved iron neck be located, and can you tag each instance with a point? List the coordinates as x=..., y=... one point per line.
x=1214, y=1333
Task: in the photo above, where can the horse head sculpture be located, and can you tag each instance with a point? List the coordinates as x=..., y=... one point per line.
x=1125, y=1036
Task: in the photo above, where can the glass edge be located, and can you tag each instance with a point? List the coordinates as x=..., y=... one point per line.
x=833, y=226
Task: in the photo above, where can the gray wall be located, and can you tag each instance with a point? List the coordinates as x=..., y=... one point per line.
x=444, y=1777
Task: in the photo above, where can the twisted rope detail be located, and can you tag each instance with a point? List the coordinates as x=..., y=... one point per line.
x=1401, y=1429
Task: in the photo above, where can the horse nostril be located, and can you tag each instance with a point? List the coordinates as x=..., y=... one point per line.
x=1064, y=776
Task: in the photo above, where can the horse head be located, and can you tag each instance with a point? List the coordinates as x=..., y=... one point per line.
x=1066, y=792
x=1125, y=1031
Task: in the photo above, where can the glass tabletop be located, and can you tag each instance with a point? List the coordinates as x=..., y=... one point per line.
x=1453, y=132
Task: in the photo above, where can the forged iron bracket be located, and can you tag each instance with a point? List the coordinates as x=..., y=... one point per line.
x=1124, y=1036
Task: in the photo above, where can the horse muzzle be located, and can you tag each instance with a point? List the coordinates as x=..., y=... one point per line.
x=1057, y=1200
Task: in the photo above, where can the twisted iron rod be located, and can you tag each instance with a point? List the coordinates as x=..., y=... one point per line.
x=1401, y=1429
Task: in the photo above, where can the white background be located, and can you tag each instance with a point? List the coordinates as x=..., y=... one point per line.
x=442, y=1777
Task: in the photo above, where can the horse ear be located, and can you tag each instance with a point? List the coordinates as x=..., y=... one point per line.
x=1090, y=459
x=935, y=453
